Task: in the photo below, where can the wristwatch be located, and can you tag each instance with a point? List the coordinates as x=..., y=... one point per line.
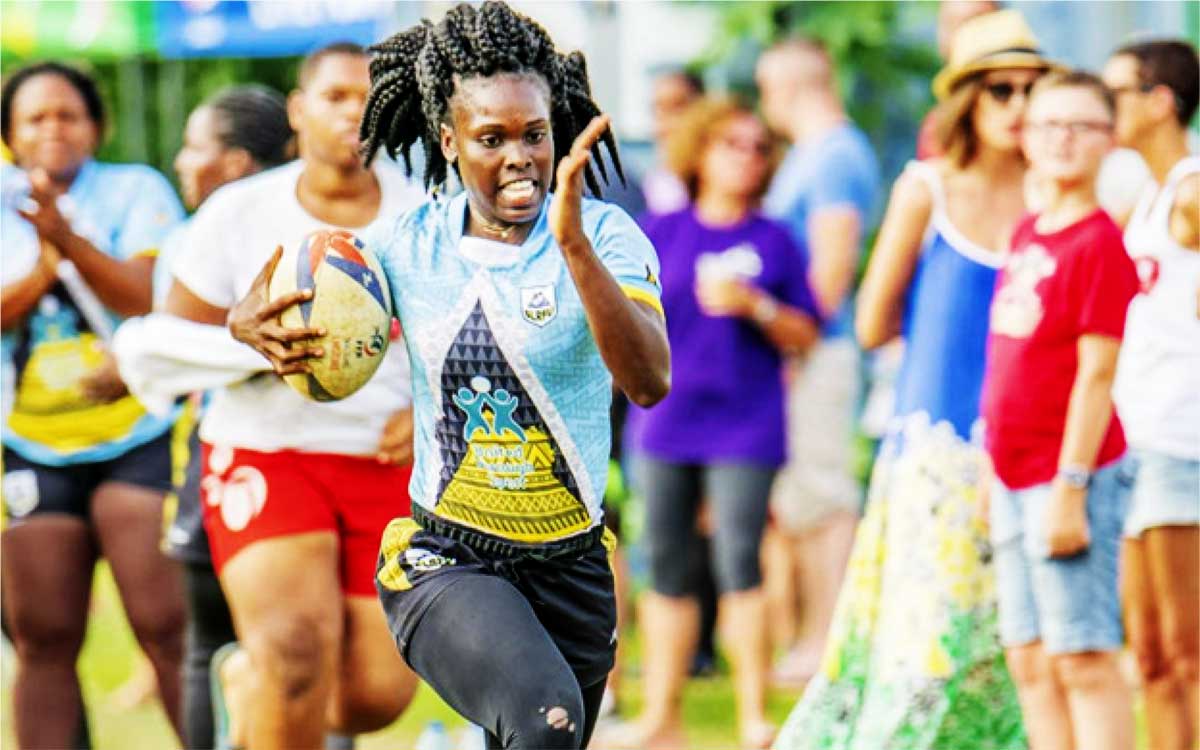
x=1076, y=476
x=765, y=310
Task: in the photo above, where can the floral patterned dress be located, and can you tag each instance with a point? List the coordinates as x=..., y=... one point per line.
x=913, y=660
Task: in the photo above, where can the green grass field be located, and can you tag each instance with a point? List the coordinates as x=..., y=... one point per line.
x=109, y=659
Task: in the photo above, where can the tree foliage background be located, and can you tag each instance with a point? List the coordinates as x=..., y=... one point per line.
x=884, y=76
x=883, y=73
x=148, y=99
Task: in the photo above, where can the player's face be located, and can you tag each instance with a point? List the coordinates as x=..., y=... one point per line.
x=199, y=163
x=1135, y=115
x=775, y=94
x=51, y=128
x=1067, y=134
x=672, y=95
x=737, y=158
x=502, y=142
x=326, y=112
x=1000, y=108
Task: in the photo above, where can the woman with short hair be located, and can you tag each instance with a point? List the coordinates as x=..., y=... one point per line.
x=83, y=477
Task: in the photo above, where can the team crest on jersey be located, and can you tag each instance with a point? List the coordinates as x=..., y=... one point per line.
x=539, y=304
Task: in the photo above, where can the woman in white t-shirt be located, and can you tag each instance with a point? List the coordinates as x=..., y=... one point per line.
x=296, y=494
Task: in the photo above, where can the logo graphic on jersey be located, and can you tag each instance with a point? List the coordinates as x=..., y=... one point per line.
x=539, y=305
x=52, y=356
x=1147, y=271
x=20, y=492
x=741, y=261
x=503, y=471
x=1017, y=308
x=424, y=561
x=502, y=405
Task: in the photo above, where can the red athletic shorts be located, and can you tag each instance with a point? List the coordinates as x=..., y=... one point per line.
x=248, y=496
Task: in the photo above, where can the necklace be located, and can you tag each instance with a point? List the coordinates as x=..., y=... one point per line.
x=504, y=232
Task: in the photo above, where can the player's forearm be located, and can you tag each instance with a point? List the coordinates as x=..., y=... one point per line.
x=1089, y=412
x=791, y=329
x=834, y=236
x=832, y=277
x=125, y=287
x=632, y=339
x=878, y=317
x=20, y=297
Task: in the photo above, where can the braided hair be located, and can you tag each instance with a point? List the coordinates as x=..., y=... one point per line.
x=413, y=77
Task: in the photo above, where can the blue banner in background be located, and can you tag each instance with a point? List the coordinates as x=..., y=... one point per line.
x=239, y=28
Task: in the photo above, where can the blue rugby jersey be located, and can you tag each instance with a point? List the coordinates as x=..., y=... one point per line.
x=510, y=393
x=125, y=210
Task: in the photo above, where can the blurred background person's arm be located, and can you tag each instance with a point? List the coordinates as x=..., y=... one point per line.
x=881, y=296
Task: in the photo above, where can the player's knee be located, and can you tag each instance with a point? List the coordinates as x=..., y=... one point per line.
x=1029, y=666
x=1180, y=646
x=668, y=571
x=737, y=564
x=369, y=704
x=1086, y=672
x=550, y=724
x=292, y=651
x=47, y=638
x=47, y=635
x=160, y=634
x=1180, y=653
x=1151, y=663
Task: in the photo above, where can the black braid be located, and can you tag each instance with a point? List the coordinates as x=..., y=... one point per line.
x=413, y=76
x=388, y=112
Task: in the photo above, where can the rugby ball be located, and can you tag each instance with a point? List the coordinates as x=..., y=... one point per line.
x=351, y=301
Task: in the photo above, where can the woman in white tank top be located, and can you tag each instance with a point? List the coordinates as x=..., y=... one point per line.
x=1157, y=389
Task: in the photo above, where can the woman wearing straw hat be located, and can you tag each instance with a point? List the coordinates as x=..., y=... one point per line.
x=914, y=660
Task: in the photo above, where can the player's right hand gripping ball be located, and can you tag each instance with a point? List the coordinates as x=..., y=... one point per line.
x=351, y=301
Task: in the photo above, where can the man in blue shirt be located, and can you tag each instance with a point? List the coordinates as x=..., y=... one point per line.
x=825, y=191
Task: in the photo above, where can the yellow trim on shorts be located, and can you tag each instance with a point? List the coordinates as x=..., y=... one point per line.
x=396, y=538
x=609, y=540
x=641, y=295
x=150, y=252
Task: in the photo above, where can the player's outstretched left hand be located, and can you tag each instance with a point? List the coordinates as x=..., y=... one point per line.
x=566, y=209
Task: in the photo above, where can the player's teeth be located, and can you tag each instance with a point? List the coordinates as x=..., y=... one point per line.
x=519, y=189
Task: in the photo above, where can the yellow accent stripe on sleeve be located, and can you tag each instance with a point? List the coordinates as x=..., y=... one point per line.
x=150, y=252
x=641, y=295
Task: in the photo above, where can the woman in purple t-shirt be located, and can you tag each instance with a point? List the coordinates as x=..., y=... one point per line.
x=736, y=299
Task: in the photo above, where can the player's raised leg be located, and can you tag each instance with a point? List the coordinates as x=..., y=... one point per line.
x=284, y=595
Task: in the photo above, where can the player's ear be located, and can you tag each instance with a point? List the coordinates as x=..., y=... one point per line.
x=295, y=109
x=236, y=163
x=1162, y=102
x=446, y=141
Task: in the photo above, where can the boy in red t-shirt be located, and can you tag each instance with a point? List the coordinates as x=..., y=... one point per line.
x=1061, y=487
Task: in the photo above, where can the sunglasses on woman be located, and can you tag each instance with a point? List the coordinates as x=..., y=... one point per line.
x=1002, y=91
